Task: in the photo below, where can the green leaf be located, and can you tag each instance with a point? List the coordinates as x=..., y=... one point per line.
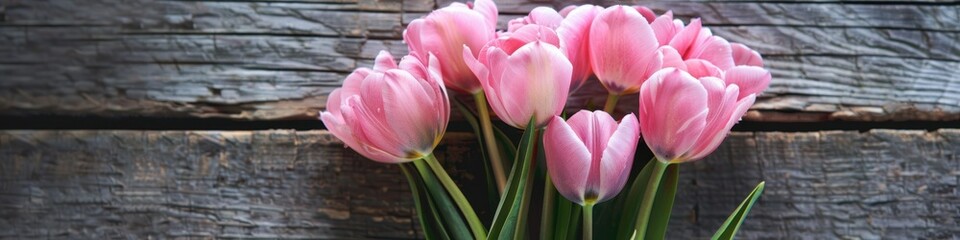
x=562, y=214
x=574, y=226
x=663, y=203
x=548, y=217
x=505, y=220
x=730, y=227
x=492, y=194
x=444, y=203
x=631, y=205
x=507, y=150
x=430, y=223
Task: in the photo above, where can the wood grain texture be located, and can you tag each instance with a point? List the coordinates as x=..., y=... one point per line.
x=885, y=184
x=266, y=59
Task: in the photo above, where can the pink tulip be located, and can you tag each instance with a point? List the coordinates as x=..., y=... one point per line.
x=390, y=114
x=589, y=156
x=523, y=81
x=574, y=35
x=445, y=31
x=623, y=49
x=683, y=118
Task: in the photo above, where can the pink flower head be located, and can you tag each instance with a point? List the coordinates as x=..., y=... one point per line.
x=445, y=31
x=524, y=75
x=693, y=42
x=623, y=49
x=683, y=118
x=589, y=156
x=390, y=114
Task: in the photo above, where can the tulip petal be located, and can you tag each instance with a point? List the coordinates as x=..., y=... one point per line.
x=568, y=160
x=621, y=48
x=370, y=119
x=368, y=130
x=333, y=121
x=574, y=35
x=488, y=9
x=684, y=40
x=714, y=49
x=411, y=36
x=566, y=10
x=475, y=65
x=384, y=62
x=646, y=13
x=410, y=110
x=351, y=86
x=721, y=100
x=712, y=140
x=618, y=157
x=496, y=64
x=528, y=34
x=545, y=16
x=673, y=109
x=671, y=58
x=539, y=78
x=750, y=79
x=440, y=95
x=413, y=66
x=743, y=55
x=699, y=68
x=664, y=28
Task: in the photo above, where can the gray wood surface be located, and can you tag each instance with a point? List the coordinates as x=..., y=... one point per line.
x=272, y=59
x=881, y=184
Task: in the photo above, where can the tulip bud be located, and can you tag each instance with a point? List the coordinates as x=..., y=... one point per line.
x=445, y=31
x=683, y=118
x=623, y=49
x=523, y=75
x=390, y=114
x=589, y=156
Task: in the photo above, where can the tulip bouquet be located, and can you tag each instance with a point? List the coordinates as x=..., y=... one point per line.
x=692, y=86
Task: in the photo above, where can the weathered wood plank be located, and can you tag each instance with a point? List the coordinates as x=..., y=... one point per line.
x=825, y=88
x=286, y=184
x=278, y=60
x=901, y=15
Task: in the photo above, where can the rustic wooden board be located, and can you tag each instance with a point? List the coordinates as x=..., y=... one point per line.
x=267, y=59
x=886, y=184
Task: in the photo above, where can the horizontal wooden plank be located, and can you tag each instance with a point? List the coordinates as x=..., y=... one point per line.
x=901, y=15
x=266, y=60
x=295, y=185
x=825, y=88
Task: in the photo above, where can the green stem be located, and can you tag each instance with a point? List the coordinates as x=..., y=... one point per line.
x=588, y=221
x=646, y=206
x=493, y=150
x=521, y=230
x=415, y=190
x=611, y=103
x=475, y=226
x=547, y=220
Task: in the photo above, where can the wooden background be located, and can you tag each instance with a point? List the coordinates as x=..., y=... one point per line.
x=150, y=63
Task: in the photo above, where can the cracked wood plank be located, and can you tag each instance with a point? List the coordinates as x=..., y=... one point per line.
x=267, y=60
x=295, y=185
